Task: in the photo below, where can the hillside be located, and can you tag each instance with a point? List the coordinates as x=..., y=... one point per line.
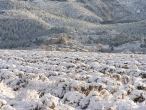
x=90, y=10
x=136, y=6
x=22, y=21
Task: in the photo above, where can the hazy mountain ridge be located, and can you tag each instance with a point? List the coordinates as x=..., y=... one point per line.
x=85, y=9
x=136, y=6
x=79, y=19
x=110, y=10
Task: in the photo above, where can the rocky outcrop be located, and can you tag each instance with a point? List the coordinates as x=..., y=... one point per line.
x=60, y=39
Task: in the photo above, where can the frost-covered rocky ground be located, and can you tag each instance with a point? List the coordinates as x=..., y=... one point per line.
x=40, y=80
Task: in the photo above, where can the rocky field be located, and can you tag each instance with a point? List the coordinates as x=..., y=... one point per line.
x=40, y=80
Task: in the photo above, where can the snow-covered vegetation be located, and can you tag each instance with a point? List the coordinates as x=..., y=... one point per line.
x=40, y=80
x=21, y=21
